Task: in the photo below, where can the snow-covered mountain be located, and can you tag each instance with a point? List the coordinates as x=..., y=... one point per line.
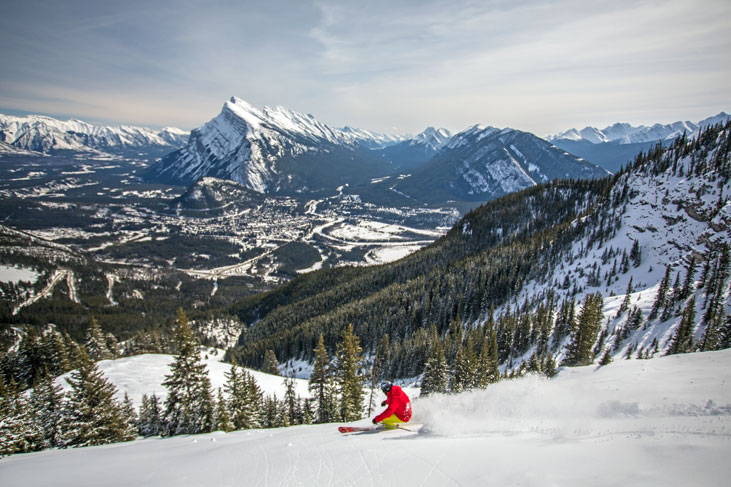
x=483, y=163
x=413, y=152
x=616, y=145
x=48, y=135
x=432, y=139
x=270, y=151
x=624, y=133
x=665, y=421
x=373, y=140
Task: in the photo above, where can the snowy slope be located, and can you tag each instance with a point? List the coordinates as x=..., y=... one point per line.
x=665, y=421
x=45, y=134
x=672, y=216
x=483, y=163
x=144, y=374
x=625, y=133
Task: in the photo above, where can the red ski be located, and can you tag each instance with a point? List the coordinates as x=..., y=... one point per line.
x=414, y=428
x=354, y=429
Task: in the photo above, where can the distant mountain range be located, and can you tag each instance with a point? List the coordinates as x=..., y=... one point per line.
x=41, y=134
x=624, y=133
x=283, y=152
x=615, y=145
x=279, y=151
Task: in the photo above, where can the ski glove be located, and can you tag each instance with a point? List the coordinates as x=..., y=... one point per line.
x=383, y=403
x=374, y=421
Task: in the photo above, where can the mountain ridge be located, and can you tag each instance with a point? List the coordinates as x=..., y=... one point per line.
x=625, y=133
x=43, y=134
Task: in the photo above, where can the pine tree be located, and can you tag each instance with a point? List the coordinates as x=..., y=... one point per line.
x=222, y=418
x=189, y=405
x=290, y=400
x=487, y=363
x=635, y=254
x=46, y=400
x=253, y=407
x=349, y=363
x=237, y=395
x=626, y=301
x=682, y=341
x=270, y=364
x=57, y=355
x=713, y=336
x=606, y=358
x=20, y=431
x=30, y=360
x=320, y=385
x=464, y=370
x=271, y=411
x=95, y=343
x=634, y=321
x=585, y=334
x=549, y=366
x=435, y=371
x=128, y=408
x=91, y=414
x=150, y=422
x=661, y=297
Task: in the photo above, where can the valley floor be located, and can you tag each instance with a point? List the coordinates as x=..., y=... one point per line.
x=665, y=421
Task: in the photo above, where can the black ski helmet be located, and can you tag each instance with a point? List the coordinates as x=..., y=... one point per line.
x=386, y=387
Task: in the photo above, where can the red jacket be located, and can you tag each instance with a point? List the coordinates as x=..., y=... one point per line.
x=398, y=403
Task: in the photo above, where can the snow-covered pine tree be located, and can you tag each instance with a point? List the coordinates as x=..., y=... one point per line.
x=46, y=400
x=222, y=418
x=254, y=399
x=290, y=399
x=270, y=412
x=20, y=431
x=150, y=422
x=585, y=333
x=464, y=370
x=487, y=363
x=661, y=296
x=436, y=371
x=635, y=254
x=189, y=405
x=626, y=301
x=682, y=341
x=91, y=414
x=30, y=361
x=713, y=335
x=349, y=372
x=95, y=342
x=57, y=353
x=130, y=413
x=688, y=286
x=270, y=364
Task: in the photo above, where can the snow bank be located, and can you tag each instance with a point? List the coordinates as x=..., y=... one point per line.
x=144, y=374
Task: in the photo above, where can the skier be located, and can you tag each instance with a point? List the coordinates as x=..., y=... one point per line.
x=399, y=407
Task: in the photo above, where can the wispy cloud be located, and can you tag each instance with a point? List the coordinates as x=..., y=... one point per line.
x=537, y=65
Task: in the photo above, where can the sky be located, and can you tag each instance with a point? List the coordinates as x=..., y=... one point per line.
x=389, y=66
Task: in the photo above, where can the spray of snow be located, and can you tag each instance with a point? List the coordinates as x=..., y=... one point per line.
x=590, y=402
